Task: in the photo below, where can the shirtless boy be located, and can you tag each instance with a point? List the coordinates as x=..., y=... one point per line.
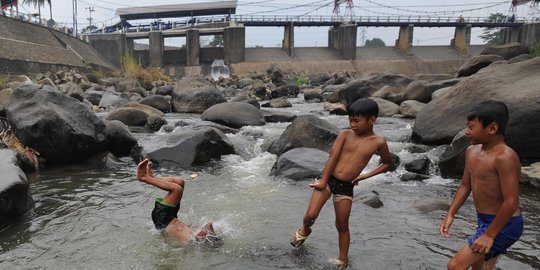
x=350, y=154
x=166, y=209
x=492, y=171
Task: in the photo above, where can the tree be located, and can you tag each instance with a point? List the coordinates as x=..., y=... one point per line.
x=375, y=42
x=492, y=35
x=39, y=3
x=217, y=41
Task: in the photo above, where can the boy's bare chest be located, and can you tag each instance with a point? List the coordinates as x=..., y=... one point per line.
x=482, y=169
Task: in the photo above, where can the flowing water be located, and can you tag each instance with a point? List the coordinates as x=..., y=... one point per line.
x=88, y=218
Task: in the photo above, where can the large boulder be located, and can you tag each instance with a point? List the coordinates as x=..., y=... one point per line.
x=15, y=199
x=300, y=163
x=194, y=96
x=477, y=63
x=289, y=91
x=188, y=147
x=410, y=108
x=422, y=91
x=386, y=108
x=129, y=115
x=506, y=51
x=121, y=139
x=276, y=116
x=60, y=128
x=531, y=174
x=514, y=84
x=306, y=131
x=452, y=160
x=113, y=98
x=234, y=114
x=162, y=103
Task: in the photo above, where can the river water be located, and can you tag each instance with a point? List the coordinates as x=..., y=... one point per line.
x=87, y=218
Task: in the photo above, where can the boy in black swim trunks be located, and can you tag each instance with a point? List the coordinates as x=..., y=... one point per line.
x=492, y=171
x=165, y=211
x=350, y=154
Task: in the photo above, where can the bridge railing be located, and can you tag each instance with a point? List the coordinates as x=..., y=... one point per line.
x=390, y=19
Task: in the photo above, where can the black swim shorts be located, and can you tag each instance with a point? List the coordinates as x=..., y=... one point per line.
x=340, y=187
x=164, y=213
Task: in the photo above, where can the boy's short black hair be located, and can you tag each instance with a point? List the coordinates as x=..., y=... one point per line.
x=365, y=107
x=491, y=111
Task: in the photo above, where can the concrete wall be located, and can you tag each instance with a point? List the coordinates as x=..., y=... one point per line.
x=29, y=48
x=528, y=34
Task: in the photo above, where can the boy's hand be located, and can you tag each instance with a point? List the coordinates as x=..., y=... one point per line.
x=358, y=179
x=142, y=169
x=445, y=226
x=318, y=185
x=482, y=244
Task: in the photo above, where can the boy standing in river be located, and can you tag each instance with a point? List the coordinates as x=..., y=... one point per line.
x=165, y=210
x=350, y=154
x=492, y=171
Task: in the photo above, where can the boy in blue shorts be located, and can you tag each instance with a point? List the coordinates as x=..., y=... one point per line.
x=492, y=171
x=165, y=213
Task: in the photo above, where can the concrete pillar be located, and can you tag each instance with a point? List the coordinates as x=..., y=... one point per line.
x=288, y=39
x=192, y=47
x=111, y=46
x=348, y=40
x=404, y=42
x=156, y=49
x=462, y=38
x=234, y=44
x=130, y=45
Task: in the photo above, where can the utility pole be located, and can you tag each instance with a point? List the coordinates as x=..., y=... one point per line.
x=75, y=30
x=90, y=9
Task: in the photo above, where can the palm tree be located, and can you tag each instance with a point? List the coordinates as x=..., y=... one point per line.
x=39, y=3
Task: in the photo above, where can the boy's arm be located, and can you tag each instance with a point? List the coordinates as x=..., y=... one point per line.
x=461, y=195
x=386, y=163
x=509, y=169
x=332, y=161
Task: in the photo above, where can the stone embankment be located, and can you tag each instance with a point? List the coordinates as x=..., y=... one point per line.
x=29, y=48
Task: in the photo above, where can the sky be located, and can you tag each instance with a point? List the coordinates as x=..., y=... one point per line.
x=104, y=14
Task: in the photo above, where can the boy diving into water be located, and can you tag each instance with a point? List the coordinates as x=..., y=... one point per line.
x=492, y=171
x=350, y=154
x=165, y=211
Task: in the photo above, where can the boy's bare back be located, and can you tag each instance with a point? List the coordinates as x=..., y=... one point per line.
x=494, y=174
x=356, y=151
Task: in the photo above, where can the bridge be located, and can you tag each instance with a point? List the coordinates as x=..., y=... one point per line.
x=219, y=18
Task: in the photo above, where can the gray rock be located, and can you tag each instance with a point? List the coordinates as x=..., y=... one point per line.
x=234, y=114
x=165, y=90
x=288, y=91
x=189, y=147
x=300, y=163
x=369, y=198
x=113, y=99
x=60, y=128
x=441, y=119
x=278, y=103
x=506, y=51
x=418, y=165
x=162, y=103
x=476, y=63
x=386, y=108
x=191, y=96
x=452, y=161
x=306, y=131
x=129, y=116
x=154, y=122
x=278, y=117
x=15, y=199
x=121, y=139
x=410, y=108
x=5, y=98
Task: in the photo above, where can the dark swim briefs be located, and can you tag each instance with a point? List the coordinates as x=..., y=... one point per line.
x=164, y=213
x=340, y=187
x=509, y=234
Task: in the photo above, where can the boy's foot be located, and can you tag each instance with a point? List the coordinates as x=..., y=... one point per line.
x=141, y=169
x=207, y=230
x=339, y=262
x=298, y=238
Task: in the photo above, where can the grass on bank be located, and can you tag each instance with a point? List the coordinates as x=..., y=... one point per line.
x=3, y=82
x=535, y=50
x=130, y=66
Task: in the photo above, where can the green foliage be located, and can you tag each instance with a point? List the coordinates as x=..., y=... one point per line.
x=492, y=35
x=375, y=42
x=217, y=41
x=301, y=79
x=3, y=82
x=535, y=51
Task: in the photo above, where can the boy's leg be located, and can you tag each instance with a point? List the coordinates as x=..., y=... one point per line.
x=316, y=203
x=207, y=229
x=174, y=185
x=465, y=258
x=343, y=211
